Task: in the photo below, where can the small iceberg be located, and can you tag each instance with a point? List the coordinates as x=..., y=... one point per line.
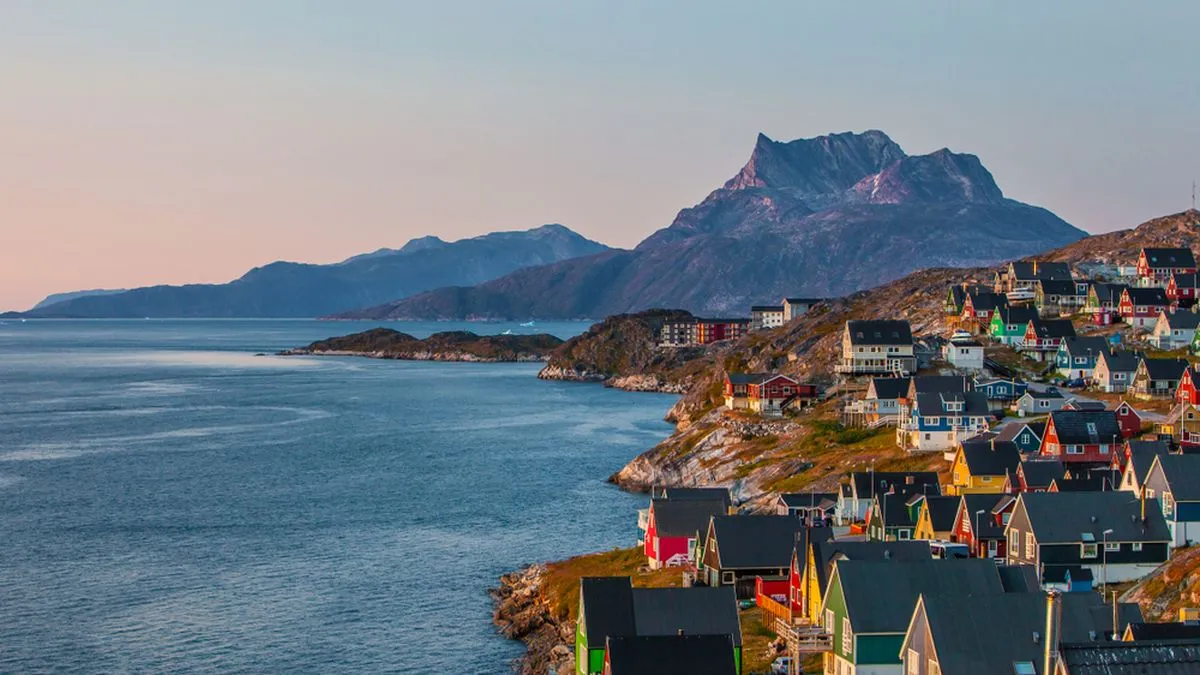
x=527, y=325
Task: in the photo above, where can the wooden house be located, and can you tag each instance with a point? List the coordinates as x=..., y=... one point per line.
x=1174, y=480
x=815, y=509
x=1035, y=474
x=978, y=308
x=1082, y=436
x=893, y=517
x=979, y=523
x=1174, y=330
x=681, y=654
x=1114, y=371
x=1026, y=436
x=798, y=586
x=1157, y=378
x=739, y=548
x=982, y=466
x=1025, y=274
x=935, y=519
x=766, y=394
x=1040, y=402
x=797, y=307
x=1140, y=307
x=1053, y=297
x=765, y=317
x=1103, y=298
x=957, y=294
x=1188, y=389
x=1008, y=324
x=1044, y=336
x=1067, y=529
x=1134, y=463
x=882, y=400
x=822, y=554
x=877, y=347
x=673, y=528
x=856, y=497
x=1129, y=419
x=1000, y=392
x=1156, y=265
x=1181, y=289
x=1077, y=356
x=964, y=354
x=939, y=421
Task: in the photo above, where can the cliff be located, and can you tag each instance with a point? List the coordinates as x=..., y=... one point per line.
x=385, y=343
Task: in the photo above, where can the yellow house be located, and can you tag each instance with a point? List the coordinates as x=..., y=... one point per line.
x=936, y=518
x=821, y=555
x=982, y=467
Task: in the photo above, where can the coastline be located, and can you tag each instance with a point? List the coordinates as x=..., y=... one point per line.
x=447, y=357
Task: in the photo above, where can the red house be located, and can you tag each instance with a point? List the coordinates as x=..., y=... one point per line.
x=1128, y=419
x=981, y=306
x=988, y=541
x=1156, y=265
x=1140, y=307
x=1077, y=436
x=672, y=529
x=1181, y=289
x=1036, y=475
x=1187, y=391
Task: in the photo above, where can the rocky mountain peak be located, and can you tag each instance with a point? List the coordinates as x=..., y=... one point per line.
x=425, y=243
x=941, y=176
x=815, y=166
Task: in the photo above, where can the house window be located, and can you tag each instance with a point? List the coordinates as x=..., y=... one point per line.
x=1025, y=439
x=904, y=535
x=1074, y=450
x=986, y=479
x=829, y=620
x=1149, y=493
x=1087, y=550
x=932, y=421
x=1091, y=427
x=847, y=637
x=727, y=577
x=1111, y=546
x=1168, y=503
x=1136, y=546
x=1004, y=518
x=1014, y=541
x=914, y=662
x=1029, y=545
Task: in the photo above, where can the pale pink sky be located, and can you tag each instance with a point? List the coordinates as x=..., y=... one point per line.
x=147, y=142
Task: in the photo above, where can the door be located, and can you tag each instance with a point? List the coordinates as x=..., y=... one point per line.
x=992, y=544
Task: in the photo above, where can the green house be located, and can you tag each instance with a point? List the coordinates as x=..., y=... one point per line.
x=868, y=605
x=1008, y=324
x=611, y=607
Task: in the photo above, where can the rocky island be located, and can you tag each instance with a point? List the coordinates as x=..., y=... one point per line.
x=385, y=343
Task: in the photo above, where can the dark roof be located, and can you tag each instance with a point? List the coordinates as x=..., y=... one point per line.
x=986, y=635
x=1164, y=631
x=991, y=458
x=890, y=387
x=1082, y=427
x=830, y=550
x=1147, y=296
x=973, y=502
x=1059, y=287
x=1109, y=293
x=802, y=301
x=934, y=404
x=754, y=542
x=1057, y=574
x=1183, y=476
x=746, y=378
x=988, y=301
x=1013, y=429
x=766, y=308
x=902, y=481
x=939, y=384
x=671, y=655
x=684, y=517
x=1048, y=393
x=1125, y=362
x=1183, y=320
x=1017, y=314
x=894, y=509
x=1154, y=657
x=1096, y=484
x=1166, y=369
x=1186, y=279
x=607, y=607
x=942, y=511
x=1045, y=270
x=1142, y=454
x=1053, y=328
x=1019, y=578
x=1070, y=517
x=1169, y=257
x=1076, y=404
x=806, y=499
x=694, y=494
x=880, y=595
x=880, y=332
x=1039, y=473
x=695, y=611
x=1078, y=345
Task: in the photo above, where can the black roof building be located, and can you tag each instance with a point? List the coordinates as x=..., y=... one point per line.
x=1014, y=315
x=1030, y=270
x=754, y=542
x=971, y=403
x=1155, y=657
x=1086, y=427
x=1169, y=257
x=1074, y=517
x=694, y=493
x=1147, y=296
x=826, y=552
x=903, y=482
x=880, y=332
x=1040, y=473
x=1058, y=287
x=670, y=655
x=890, y=387
x=1166, y=369
x=683, y=517
x=1049, y=329
x=880, y=595
x=991, y=458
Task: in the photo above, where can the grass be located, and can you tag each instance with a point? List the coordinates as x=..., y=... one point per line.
x=755, y=639
x=561, y=586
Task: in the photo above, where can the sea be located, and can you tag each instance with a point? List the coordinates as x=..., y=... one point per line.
x=176, y=498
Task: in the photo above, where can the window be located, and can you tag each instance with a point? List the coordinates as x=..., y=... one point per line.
x=1110, y=546
x=847, y=637
x=727, y=577
x=986, y=479
x=914, y=662
x=1087, y=550
x=1025, y=439
x=904, y=535
x=829, y=620
x=1029, y=545
x=1168, y=504
x=1014, y=541
x=1074, y=450
x=1091, y=427
x=932, y=421
x=1136, y=546
x=1004, y=518
x=934, y=668
x=1149, y=493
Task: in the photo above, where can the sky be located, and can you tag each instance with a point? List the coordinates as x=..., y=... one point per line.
x=164, y=141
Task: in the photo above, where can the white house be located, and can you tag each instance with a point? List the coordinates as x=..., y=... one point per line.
x=964, y=354
x=1173, y=331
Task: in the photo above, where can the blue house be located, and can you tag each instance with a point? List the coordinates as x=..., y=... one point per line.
x=1077, y=356
x=940, y=421
x=1000, y=393
x=1174, y=480
x=1026, y=435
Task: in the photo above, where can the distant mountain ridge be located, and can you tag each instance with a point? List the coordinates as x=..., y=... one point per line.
x=287, y=289
x=54, y=298
x=817, y=217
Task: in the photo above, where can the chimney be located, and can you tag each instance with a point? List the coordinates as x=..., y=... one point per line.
x=1143, y=501
x=1053, y=611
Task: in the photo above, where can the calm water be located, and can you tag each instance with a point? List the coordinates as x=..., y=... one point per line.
x=171, y=502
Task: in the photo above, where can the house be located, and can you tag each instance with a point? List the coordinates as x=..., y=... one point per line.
x=983, y=466
x=1140, y=307
x=1129, y=419
x=892, y=518
x=939, y=421
x=1174, y=480
x=822, y=554
x=1135, y=461
x=674, y=526
x=719, y=495
x=1027, y=436
x=1187, y=391
x=1161, y=631
x=678, y=333
x=1025, y=275
x=1076, y=357
x=681, y=654
x=1108, y=532
x=764, y=317
x=1079, y=404
x=877, y=347
x=1076, y=436
x=1153, y=657
x=937, y=384
x=715, y=330
x=882, y=400
x=814, y=509
x=1103, y=298
x=1181, y=289
x=797, y=585
x=1157, y=378
x=978, y=308
x=1000, y=392
x=1156, y=265
x=1001, y=633
x=766, y=394
x=1053, y=297
x=609, y=607
x=1040, y=402
x=1093, y=484
x=935, y=520
x=1043, y=337
x=1174, y=330
x=739, y=548
x=868, y=606
x=1009, y=323
x=957, y=295
x=1114, y=371
x=856, y=496
x=964, y=354
x=797, y=307
x=979, y=523
x=1035, y=474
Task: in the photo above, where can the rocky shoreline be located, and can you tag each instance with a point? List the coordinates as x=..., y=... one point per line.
x=456, y=346
x=635, y=383
x=522, y=613
x=452, y=356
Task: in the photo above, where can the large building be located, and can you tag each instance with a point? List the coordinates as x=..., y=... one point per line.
x=877, y=347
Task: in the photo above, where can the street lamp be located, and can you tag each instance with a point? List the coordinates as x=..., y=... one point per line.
x=975, y=533
x=1104, y=563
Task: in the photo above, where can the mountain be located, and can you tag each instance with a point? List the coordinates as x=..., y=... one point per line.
x=287, y=289
x=1121, y=247
x=54, y=298
x=816, y=217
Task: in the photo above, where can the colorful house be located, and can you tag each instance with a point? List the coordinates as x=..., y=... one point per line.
x=1135, y=461
x=856, y=497
x=939, y=421
x=1140, y=307
x=822, y=554
x=935, y=520
x=957, y=295
x=1043, y=337
x=1157, y=378
x=1129, y=419
x=1174, y=330
x=1077, y=356
x=1156, y=265
x=1076, y=436
x=983, y=466
x=892, y=517
x=1025, y=274
x=1000, y=393
x=1026, y=436
x=1181, y=289
x=979, y=523
x=1009, y=323
x=1174, y=480
x=815, y=509
x=877, y=347
x=1040, y=402
x=1036, y=474
x=1114, y=371
x=635, y=655
x=1103, y=298
x=882, y=400
x=673, y=528
x=1059, y=296
x=978, y=308
x=739, y=548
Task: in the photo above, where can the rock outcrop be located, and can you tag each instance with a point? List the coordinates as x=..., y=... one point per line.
x=385, y=343
x=522, y=614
